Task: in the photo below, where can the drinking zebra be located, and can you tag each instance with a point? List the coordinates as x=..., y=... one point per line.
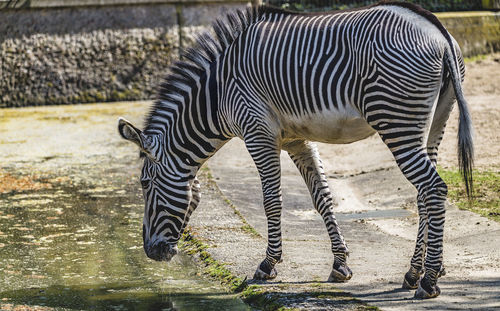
x=278, y=80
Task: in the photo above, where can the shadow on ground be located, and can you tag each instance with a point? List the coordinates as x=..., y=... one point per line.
x=489, y=288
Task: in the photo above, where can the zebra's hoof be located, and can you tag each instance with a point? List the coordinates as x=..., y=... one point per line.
x=340, y=274
x=261, y=275
x=409, y=284
x=442, y=272
x=421, y=293
x=426, y=289
x=411, y=278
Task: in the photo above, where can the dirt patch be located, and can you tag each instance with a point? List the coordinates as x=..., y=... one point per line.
x=482, y=76
x=10, y=183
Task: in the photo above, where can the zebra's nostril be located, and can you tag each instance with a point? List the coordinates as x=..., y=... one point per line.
x=162, y=247
x=160, y=251
x=153, y=251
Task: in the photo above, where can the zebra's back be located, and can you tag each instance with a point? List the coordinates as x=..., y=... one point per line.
x=319, y=73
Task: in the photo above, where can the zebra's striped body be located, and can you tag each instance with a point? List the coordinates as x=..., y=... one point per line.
x=278, y=80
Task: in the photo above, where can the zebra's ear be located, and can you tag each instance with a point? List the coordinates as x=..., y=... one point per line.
x=130, y=132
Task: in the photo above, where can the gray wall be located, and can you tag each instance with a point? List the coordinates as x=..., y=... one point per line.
x=100, y=53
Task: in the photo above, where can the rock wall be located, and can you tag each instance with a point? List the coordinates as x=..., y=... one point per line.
x=81, y=54
x=94, y=54
x=476, y=32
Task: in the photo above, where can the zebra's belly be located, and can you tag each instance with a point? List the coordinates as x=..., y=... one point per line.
x=330, y=128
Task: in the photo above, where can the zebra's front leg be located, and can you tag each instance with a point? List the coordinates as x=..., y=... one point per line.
x=306, y=157
x=266, y=157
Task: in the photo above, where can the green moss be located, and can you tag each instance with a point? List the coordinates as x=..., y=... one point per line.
x=52, y=100
x=476, y=32
x=100, y=96
x=250, y=230
x=255, y=295
x=460, y=15
x=475, y=58
x=486, y=197
x=91, y=96
x=213, y=268
x=118, y=96
x=206, y=171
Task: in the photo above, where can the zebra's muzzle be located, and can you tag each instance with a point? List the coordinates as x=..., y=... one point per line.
x=161, y=251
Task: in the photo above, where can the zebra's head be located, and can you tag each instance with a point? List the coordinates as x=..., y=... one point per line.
x=167, y=196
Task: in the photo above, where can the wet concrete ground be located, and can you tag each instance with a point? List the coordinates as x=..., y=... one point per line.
x=71, y=218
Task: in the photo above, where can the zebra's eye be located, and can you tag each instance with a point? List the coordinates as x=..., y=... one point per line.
x=145, y=182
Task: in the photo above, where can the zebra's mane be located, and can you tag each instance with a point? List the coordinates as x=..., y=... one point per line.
x=194, y=61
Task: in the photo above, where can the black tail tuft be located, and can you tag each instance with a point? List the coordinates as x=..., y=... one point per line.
x=465, y=150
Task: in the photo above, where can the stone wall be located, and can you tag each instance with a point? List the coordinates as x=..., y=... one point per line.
x=476, y=32
x=78, y=54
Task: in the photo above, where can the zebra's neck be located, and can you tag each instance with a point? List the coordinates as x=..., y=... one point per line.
x=185, y=120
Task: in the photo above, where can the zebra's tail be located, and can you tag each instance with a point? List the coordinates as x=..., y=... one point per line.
x=465, y=148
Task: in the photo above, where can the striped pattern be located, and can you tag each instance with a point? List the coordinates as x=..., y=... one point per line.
x=278, y=80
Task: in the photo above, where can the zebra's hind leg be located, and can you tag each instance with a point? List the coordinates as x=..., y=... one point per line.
x=434, y=198
x=406, y=144
x=266, y=156
x=416, y=270
x=306, y=157
x=441, y=115
x=419, y=170
x=412, y=277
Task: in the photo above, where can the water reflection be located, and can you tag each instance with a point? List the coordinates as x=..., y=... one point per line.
x=81, y=248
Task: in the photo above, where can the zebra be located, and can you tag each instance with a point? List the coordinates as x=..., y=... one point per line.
x=279, y=80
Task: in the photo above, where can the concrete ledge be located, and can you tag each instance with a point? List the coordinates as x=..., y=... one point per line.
x=476, y=32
